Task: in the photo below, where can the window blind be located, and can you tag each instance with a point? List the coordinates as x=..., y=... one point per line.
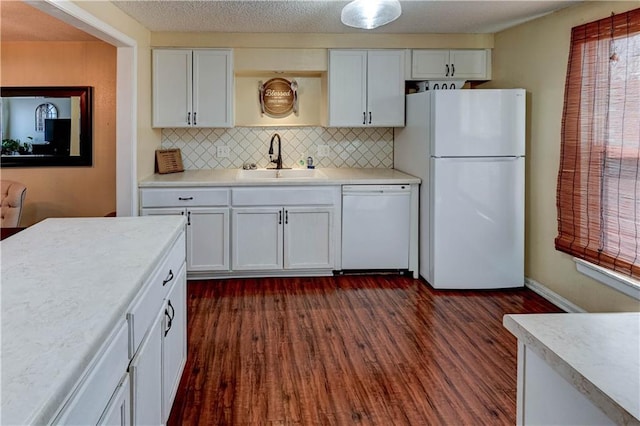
x=598, y=192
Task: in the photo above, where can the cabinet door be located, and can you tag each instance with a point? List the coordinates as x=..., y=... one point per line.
x=212, y=88
x=308, y=238
x=347, y=88
x=385, y=88
x=172, y=88
x=427, y=63
x=208, y=239
x=174, y=342
x=257, y=238
x=118, y=411
x=145, y=373
x=469, y=64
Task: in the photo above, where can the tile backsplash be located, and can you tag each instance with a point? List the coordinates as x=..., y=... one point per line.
x=347, y=147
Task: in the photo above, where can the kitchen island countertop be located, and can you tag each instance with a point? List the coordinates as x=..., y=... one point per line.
x=599, y=354
x=66, y=284
x=229, y=177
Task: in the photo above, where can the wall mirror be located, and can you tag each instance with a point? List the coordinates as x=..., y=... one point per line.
x=46, y=126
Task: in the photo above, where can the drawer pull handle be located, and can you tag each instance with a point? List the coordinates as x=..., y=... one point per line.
x=194, y=119
x=170, y=317
x=453, y=70
x=364, y=118
x=166, y=313
x=169, y=278
x=189, y=118
x=447, y=73
x=280, y=217
x=286, y=217
x=185, y=198
x=173, y=311
x=369, y=117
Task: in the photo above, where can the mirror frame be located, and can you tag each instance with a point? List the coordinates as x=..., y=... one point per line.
x=86, y=127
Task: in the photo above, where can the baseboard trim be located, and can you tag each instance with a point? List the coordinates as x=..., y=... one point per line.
x=552, y=296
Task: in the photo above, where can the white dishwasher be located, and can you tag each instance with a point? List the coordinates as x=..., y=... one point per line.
x=375, y=227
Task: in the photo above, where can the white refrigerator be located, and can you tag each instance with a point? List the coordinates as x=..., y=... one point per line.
x=468, y=148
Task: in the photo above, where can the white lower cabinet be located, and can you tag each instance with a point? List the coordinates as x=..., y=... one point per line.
x=118, y=412
x=308, y=241
x=157, y=326
x=158, y=364
x=274, y=238
x=92, y=399
x=146, y=378
x=174, y=343
x=207, y=236
x=289, y=228
x=544, y=397
x=207, y=213
x=257, y=238
x=239, y=230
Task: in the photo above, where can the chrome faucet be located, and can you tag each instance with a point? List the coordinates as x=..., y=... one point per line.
x=278, y=159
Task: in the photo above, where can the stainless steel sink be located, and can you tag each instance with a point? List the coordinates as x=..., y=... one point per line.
x=259, y=174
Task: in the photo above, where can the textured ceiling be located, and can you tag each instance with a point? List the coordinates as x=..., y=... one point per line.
x=21, y=22
x=319, y=16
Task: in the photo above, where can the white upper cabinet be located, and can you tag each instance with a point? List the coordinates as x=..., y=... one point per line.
x=469, y=64
x=366, y=88
x=192, y=88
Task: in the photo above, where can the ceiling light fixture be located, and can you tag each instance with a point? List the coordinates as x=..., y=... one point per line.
x=370, y=14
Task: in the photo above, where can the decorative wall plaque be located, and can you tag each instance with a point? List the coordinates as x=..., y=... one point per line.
x=169, y=161
x=278, y=97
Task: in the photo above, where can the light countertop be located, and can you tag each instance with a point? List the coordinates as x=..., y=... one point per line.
x=229, y=177
x=599, y=354
x=66, y=283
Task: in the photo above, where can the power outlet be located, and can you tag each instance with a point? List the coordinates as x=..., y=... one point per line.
x=323, y=150
x=222, y=151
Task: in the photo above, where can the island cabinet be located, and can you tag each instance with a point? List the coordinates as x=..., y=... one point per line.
x=276, y=229
x=366, y=88
x=577, y=369
x=192, y=88
x=463, y=64
x=105, y=388
x=131, y=377
x=157, y=340
x=207, y=214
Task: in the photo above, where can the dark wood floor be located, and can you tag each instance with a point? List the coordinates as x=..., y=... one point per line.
x=376, y=350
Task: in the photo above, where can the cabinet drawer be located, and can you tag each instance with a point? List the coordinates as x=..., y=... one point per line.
x=187, y=197
x=291, y=196
x=93, y=396
x=147, y=306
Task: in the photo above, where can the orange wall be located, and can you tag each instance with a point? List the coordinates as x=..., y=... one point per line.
x=68, y=191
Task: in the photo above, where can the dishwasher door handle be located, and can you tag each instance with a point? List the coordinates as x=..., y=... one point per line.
x=376, y=194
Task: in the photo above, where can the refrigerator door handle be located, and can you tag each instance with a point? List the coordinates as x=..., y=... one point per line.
x=494, y=159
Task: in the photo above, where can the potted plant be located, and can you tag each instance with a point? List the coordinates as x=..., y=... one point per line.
x=10, y=146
